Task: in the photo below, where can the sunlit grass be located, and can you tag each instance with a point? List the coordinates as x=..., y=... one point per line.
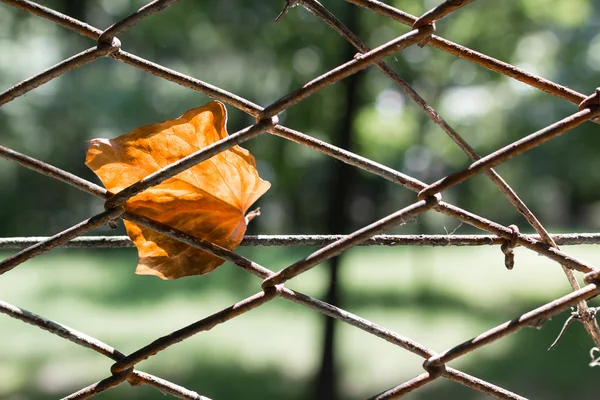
x=437, y=297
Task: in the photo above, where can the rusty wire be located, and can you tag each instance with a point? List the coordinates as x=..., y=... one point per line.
x=429, y=197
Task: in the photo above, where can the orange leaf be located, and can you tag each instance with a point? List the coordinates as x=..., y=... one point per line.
x=208, y=200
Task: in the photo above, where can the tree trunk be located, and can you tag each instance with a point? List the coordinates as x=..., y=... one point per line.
x=341, y=191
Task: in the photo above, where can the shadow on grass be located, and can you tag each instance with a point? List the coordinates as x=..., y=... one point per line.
x=527, y=368
x=430, y=300
x=216, y=381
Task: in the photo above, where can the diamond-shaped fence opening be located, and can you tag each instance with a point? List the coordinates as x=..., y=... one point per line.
x=428, y=198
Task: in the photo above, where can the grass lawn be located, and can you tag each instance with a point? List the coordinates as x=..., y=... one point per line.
x=438, y=297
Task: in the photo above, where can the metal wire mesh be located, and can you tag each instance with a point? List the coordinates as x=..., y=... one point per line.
x=273, y=283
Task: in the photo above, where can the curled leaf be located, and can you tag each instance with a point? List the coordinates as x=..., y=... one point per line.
x=208, y=200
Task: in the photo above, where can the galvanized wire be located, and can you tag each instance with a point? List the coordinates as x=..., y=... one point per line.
x=114, y=242
x=272, y=286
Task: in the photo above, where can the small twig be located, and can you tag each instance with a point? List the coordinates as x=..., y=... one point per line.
x=577, y=316
x=573, y=315
x=288, y=4
x=457, y=228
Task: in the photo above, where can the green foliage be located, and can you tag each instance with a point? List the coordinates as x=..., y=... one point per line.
x=239, y=48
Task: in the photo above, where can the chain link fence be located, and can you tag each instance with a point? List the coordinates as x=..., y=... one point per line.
x=272, y=284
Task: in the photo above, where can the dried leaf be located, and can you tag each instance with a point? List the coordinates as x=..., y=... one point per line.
x=208, y=201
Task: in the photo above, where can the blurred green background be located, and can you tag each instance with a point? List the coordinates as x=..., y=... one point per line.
x=439, y=297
